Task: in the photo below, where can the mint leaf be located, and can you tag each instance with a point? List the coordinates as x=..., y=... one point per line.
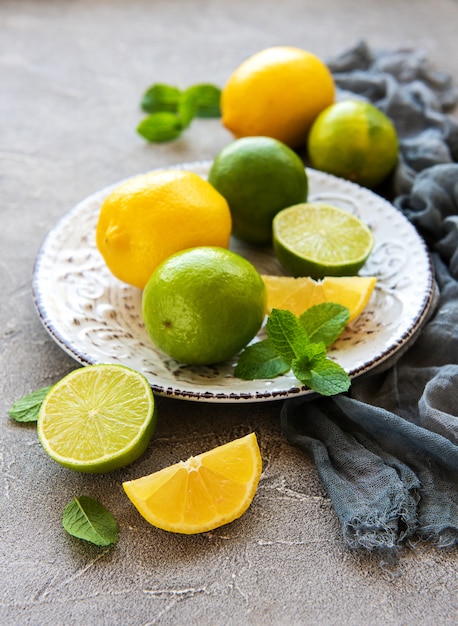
x=172, y=110
x=208, y=98
x=260, y=360
x=87, y=519
x=159, y=98
x=325, y=322
x=287, y=335
x=299, y=344
x=187, y=107
x=308, y=359
x=323, y=376
x=160, y=127
x=27, y=408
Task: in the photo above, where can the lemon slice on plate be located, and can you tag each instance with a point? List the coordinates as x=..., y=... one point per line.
x=299, y=294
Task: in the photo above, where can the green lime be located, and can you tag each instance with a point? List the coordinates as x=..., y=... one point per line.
x=203, y=305
x=258, y=176
x=354, y=140
x=319, y=240
x=97, y=418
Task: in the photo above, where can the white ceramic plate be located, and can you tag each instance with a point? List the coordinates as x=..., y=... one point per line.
x=97, y=319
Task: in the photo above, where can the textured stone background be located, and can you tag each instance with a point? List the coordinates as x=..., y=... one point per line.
x=72, y=74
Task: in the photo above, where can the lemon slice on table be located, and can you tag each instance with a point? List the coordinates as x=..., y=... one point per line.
x=202, y=493
x=318, y=240
x=97, y=418
x=299, y=294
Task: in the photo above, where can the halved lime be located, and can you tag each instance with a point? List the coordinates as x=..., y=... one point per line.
x=318, y=240
x=97, y=418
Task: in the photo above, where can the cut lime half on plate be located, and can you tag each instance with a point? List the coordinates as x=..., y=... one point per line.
x=318, y=240
x=97, y=418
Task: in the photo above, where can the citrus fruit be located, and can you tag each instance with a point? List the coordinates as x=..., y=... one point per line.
x=258, y=176
x=202, y=493
x=151, y=216
x=97, y=418
x=203, y=305
x=319, y=240
x=299, y=294
x=277, y=92
x=354, y=140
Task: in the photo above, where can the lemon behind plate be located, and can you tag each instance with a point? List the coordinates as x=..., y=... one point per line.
x=277, y=92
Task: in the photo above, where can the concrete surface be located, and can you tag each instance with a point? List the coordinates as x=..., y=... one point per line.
x=71, y=76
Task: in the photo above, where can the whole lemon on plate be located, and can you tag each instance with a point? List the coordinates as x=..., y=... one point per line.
x=203, y=305
x=277, y=92
x=354, y=140
x=258, y=176
x=149, y=217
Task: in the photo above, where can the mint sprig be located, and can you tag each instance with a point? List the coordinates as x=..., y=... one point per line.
x=299, y=344
x=87, y=519
x=171, y=110
x=26, y=409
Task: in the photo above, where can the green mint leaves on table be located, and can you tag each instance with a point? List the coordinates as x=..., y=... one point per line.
x=27, y=408
x=87, y=519
x=171, y=110
x=299, y=345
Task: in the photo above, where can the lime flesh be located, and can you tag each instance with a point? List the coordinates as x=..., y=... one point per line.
x=319, y=240
x=97, y=418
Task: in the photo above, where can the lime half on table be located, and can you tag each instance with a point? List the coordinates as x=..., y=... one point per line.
x=318, y=240
x=97, y=418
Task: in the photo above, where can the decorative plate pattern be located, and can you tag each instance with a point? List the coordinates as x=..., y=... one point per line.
x=97, y=319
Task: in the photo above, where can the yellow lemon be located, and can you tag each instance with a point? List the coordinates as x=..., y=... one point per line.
x=151, y=216
x=202, y=493
x=299, y=294
x=277, y=92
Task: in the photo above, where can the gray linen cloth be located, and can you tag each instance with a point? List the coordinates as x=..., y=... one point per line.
x=387, y=451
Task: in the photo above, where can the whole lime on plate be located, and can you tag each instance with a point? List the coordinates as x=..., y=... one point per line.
x=202, y=306
x=258, y=176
